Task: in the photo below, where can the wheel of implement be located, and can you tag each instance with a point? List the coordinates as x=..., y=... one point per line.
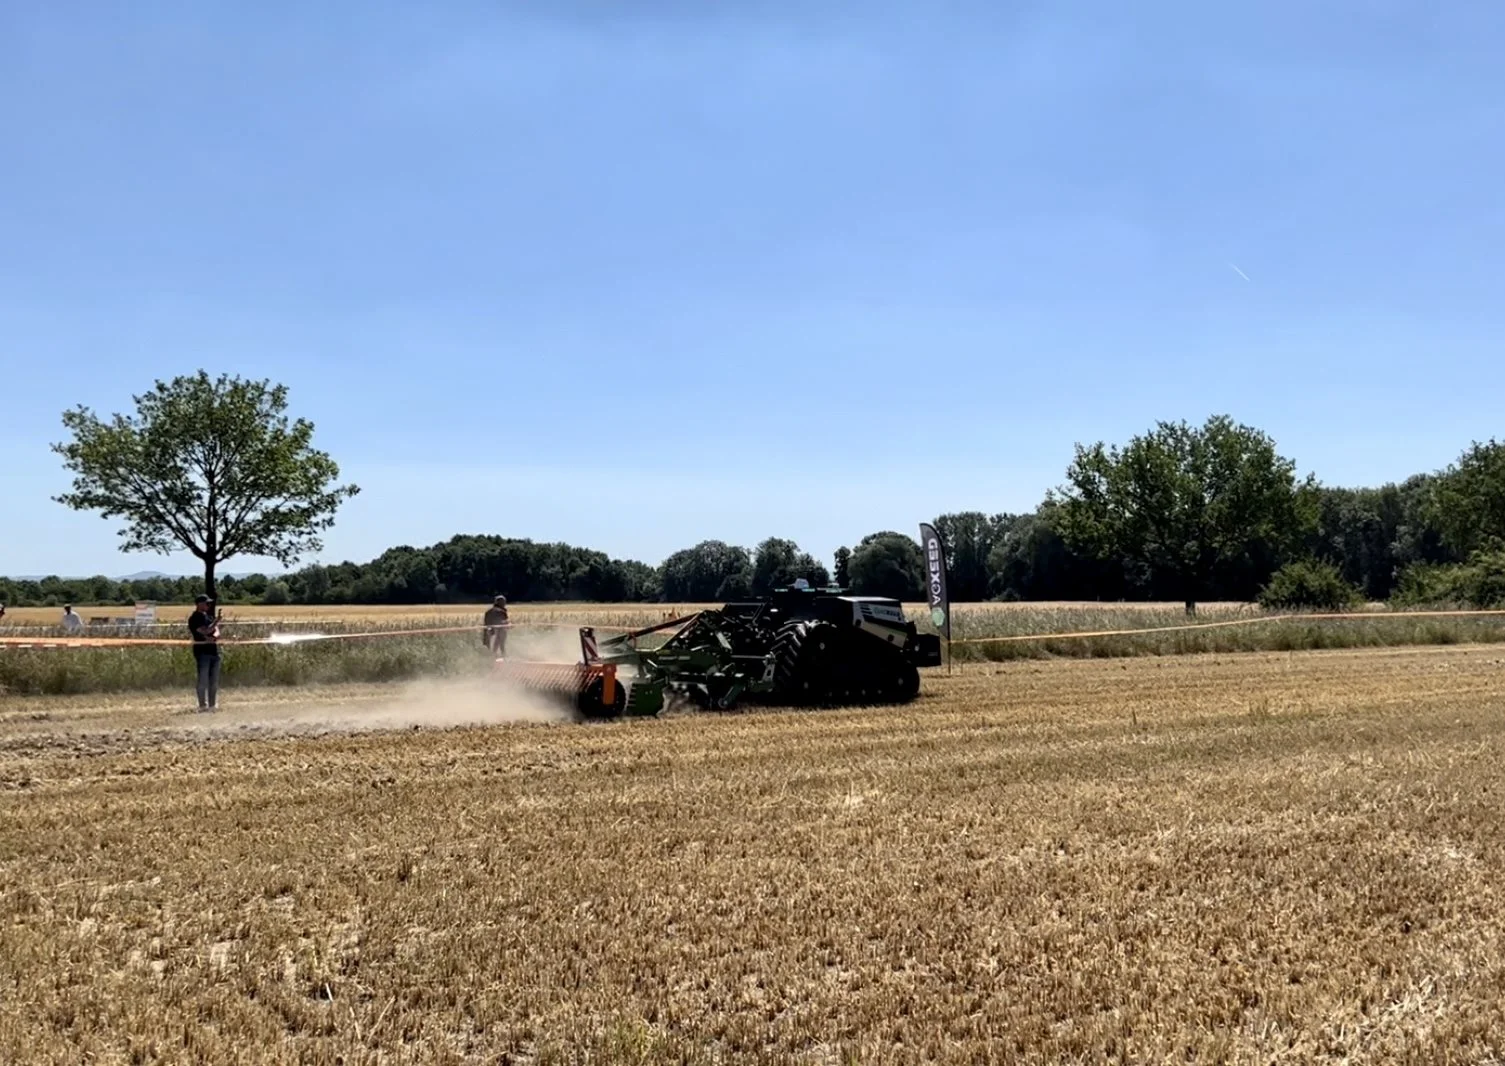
x=817, y=669
x=789, y=679
x=591, y=703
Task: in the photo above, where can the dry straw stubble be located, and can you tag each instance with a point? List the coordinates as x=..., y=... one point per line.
x=1243, y=859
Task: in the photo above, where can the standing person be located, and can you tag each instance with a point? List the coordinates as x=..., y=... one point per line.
x=495, y=636
x=72, y=623
x=203, y=626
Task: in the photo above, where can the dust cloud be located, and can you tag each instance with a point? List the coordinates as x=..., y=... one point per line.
x=434, y=703
x=551, y=644
x=416, y=705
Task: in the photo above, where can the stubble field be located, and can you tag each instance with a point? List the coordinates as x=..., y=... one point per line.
x=1247, y=858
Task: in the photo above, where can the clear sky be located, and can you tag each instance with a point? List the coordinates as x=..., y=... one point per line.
x=633, y=275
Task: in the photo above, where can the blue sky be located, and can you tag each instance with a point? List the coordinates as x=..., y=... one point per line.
x=636, y=275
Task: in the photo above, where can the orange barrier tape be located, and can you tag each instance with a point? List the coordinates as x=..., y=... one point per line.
x=1190, y=626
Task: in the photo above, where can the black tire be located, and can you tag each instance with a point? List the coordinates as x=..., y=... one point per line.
x=786, y=659
x=821, y=672
x=591, y=705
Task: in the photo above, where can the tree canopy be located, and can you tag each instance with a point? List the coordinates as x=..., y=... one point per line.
x=1185, y=503
x=213, y=466
x=969, y=539
x=710, y=570
x=1468, y=500
x=888, y=564
x=779, y=562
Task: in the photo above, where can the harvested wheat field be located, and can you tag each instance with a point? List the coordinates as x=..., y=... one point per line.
x=1253, y=858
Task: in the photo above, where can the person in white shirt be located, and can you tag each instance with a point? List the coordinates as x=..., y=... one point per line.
x=71, y=622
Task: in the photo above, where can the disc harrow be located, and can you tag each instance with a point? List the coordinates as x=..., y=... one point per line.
x=591, y=687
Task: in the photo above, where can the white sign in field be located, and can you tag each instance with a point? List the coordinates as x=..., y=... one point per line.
x=146, y=613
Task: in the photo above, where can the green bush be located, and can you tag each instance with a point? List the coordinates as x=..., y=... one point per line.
x=1485, y=584
x=1428, y=585
x=1478, y=583
x=1308, y=585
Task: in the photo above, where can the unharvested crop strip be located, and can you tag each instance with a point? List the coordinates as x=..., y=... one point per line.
x=1190, y=626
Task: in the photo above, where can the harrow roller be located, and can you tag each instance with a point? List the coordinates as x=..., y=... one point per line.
x=591, y=687
x=594, y=690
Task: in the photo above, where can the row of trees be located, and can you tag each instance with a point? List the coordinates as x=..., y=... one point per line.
x=472, y=569
x=1213, y=512
x=1191, y=513
x=1181, y=512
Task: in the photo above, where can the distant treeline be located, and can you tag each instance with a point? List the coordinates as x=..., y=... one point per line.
x=1182, y=514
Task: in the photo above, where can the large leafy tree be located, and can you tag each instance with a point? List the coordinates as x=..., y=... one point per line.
x=710, y=570
x=1468, y=500
x=779, y=563
x=888, y=564
x=843, y=572
x=1191, y=504
x=211, y=466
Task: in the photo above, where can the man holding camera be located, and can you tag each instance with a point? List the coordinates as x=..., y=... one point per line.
x=203, y=625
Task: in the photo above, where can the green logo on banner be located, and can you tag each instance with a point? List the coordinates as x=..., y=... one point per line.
x=938, y=616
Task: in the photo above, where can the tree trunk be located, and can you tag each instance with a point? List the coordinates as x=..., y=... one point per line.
x=209, y=579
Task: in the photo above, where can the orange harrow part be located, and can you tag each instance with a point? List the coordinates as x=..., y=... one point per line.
x=590, y=684
x=567, y=678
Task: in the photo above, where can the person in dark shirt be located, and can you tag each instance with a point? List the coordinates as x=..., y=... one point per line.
x=203, y=626
x=495, y=634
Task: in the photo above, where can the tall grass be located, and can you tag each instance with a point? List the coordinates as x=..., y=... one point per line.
x=54, y=671
x=43, y=671
x=1295, y=634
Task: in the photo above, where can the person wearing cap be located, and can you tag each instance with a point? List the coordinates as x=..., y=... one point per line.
x=496, y=625
x=203, y=626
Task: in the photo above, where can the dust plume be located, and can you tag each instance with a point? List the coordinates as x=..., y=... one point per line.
x=438, y=704
x=553, y=644
x=432, y=704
